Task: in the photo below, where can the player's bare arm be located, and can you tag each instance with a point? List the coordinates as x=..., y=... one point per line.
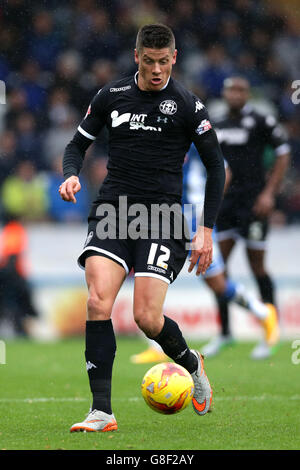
x=265, y=201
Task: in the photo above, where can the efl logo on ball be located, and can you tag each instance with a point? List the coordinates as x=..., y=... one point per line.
x=167, y=388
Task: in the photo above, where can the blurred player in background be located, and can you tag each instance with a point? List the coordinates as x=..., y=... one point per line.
x=152, y=121
x=194, y=178
x=16, y=302
x=248, y=203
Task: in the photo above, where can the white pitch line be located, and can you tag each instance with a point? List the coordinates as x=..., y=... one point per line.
x=216, y=398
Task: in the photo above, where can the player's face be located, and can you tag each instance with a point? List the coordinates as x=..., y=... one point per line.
x=236, y=94
x=155, y=67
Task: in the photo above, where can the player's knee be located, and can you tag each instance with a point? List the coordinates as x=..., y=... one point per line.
x=217, y=284
x=98, y=308
x=148, y=321
x=258, y=269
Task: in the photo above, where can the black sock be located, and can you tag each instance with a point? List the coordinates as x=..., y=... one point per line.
x=266, y=288
x=224, y=314
x=174, y=345
x=100, y=353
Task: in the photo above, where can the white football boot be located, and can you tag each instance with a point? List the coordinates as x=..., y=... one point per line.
x=96, y=421
x=216, y=345
x=261, y=351
x=203, y=391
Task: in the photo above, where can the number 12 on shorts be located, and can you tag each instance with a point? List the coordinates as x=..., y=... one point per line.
x=162, y=258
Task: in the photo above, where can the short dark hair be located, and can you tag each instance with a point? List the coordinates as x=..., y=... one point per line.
x=155, y=36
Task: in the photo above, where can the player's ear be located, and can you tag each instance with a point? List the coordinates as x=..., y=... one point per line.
x=174, y=57
x=136, y=57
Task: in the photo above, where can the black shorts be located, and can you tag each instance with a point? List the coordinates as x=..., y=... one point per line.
x=238, y=221
x=135, y=243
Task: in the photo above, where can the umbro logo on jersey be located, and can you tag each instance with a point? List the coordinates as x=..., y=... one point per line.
x=90, y=365
x=168, y=107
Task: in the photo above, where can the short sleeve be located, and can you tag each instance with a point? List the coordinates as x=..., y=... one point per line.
x=275, y=135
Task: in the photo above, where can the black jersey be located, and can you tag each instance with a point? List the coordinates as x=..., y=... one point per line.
x=149, y=135
x=243, y=140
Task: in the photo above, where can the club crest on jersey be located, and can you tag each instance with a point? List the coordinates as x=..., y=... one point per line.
x=168, y=107
x=204, y=126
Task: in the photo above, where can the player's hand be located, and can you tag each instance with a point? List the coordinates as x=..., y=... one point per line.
x=202, y=250
x=264, y=204
x=69, y=188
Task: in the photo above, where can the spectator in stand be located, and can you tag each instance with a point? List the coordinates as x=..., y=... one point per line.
x=146, y=12
x=246, y=67
x=101, y=41
x=16, y=104
x=24, y=194
x=208, y=16
x=62, y=118
x=29, y=141
x=44, y=43
x=103, y=71
x=8, y=154
x=33, y=86
x=274, y=79
x=231, y=35
x=217, y=69
x=67, y=76
x=287, y=47
x=16, y=301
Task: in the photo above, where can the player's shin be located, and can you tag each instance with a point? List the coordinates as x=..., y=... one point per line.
x=222, y=302
x=174, y=345
x=100, y=353
x=238, y=294
x=266, y=288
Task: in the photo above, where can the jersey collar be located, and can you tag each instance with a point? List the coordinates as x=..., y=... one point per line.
x=246, y=109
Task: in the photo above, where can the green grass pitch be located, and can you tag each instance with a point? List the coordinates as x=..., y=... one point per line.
x=44, y=390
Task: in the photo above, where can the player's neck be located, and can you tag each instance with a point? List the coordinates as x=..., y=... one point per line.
x=235, y=112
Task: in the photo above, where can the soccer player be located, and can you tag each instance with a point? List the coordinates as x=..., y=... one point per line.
x=152, y=120
x=194, y=177
x=243, y=134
